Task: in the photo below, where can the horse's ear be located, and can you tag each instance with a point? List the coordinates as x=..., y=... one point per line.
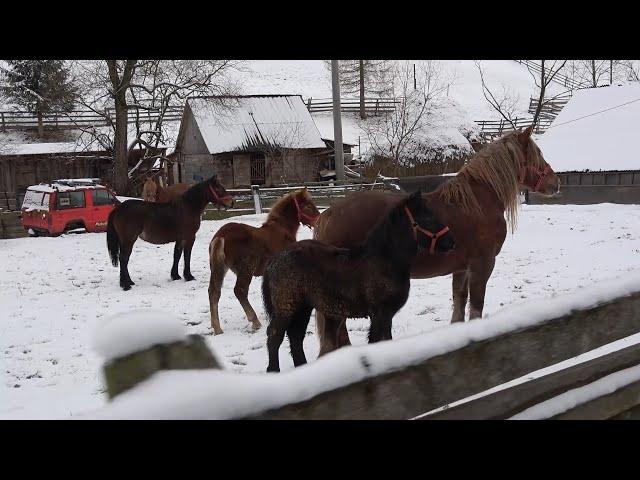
x=523, y=137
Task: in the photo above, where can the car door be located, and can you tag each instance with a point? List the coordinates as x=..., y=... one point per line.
x=70, y=209
x=102, y=202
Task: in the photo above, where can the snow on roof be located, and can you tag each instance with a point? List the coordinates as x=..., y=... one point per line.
x=41, y=148
x=66, y=184
x=230, y=124
x=597, y=130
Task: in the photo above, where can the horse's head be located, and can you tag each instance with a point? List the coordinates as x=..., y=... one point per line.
x=306, y=210
x=217, y=194
x=428, y=231
x=535, y=173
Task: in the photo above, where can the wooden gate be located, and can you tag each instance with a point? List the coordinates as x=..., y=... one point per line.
x=257, y=163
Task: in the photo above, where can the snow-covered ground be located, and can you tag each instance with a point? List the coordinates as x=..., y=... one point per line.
x=55, y=291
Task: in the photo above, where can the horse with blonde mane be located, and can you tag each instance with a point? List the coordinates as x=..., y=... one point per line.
x=245, y=249
x=154, y=192
x=473, y=204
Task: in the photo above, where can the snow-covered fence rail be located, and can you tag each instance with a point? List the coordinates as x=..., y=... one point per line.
x=372, y=106
x=259, y=199
x=10, y=119
x=551, y=107
x=410, y=378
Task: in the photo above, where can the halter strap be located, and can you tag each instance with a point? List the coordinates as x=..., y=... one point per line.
x=304, y=216
x=416, y=228
x=542, y=174
x=217, y=197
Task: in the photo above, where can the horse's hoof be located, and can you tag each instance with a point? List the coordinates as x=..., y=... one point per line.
x=175, y=277
x=217, y=332
x=256, y=325
x=126, y=287
x=188, y=278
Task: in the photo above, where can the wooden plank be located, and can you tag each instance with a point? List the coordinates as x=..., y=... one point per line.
x=473, y=369
x=605, y=407
x=506, y=403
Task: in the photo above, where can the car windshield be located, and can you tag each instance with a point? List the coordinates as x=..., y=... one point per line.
x=70, y=200
x=34, y=200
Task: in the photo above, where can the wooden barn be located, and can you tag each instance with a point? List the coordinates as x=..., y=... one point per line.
x=28, y=164
x=249, y=140
x=22, y=165
x=593, y=146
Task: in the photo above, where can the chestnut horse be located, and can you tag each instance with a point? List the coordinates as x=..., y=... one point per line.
x=160, y=223
x=473, y=204
x=153, y=192
x=245, y=249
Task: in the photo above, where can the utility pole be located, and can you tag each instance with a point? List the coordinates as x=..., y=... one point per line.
x=337, y=121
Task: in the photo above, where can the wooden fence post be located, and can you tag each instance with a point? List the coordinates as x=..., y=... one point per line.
x=3, y=125
x=255, y=190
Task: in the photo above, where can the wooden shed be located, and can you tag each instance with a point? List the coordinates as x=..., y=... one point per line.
x=249, y=140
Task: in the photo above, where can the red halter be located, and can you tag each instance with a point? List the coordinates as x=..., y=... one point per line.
x=433, y=236
x=542, y=174
x=303, y=216
x=218, y=198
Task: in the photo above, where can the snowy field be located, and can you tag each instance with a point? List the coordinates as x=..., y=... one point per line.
x=54, y=291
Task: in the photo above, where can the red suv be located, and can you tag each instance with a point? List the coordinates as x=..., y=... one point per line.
x=63, y=205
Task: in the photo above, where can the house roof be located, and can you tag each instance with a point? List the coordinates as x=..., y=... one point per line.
x=236, y=123
x=597, y=130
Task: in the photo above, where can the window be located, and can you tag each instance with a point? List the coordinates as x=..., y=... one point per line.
x=101, y=197
x=33, y=200
x=70, y=200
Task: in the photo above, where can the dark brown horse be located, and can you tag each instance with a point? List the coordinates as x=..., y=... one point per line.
x=160, y=223
x=473, y=204
x=369, y=280
x=245, y=249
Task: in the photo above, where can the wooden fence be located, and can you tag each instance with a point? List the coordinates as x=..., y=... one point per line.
x=420, y=377
x=373, y=106
x=81, y=118
x=492, y=129
x=260, y=199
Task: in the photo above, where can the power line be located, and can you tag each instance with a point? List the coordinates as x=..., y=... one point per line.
x=595, y=113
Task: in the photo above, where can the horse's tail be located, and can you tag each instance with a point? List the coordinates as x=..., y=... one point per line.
x=113, y=243
x=266, y=295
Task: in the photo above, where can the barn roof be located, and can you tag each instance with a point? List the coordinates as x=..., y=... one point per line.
x=597, y=130
x=236, y=123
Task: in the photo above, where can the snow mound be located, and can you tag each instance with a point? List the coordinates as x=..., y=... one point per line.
x=136, y=330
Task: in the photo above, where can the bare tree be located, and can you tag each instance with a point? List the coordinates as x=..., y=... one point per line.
x=366, y=78
x=542, y=78
x=593, y=73
x=505, y=102
x=393, y=135
x=630, y=70
x=149, y=89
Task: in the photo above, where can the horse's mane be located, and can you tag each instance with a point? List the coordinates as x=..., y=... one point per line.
x=195, y=194
x=496, y=166
x=379, y=237
x=277, y=210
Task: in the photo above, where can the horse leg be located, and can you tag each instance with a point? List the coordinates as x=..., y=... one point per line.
x=275, y=335
x=296, y=332
x=242, y=292
x=332, y=332
x=218, y=271
x=479, y=273
x=177, y=253
x=460, y=289
x=380, y=328
x=125, y=253
x=187, y=245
